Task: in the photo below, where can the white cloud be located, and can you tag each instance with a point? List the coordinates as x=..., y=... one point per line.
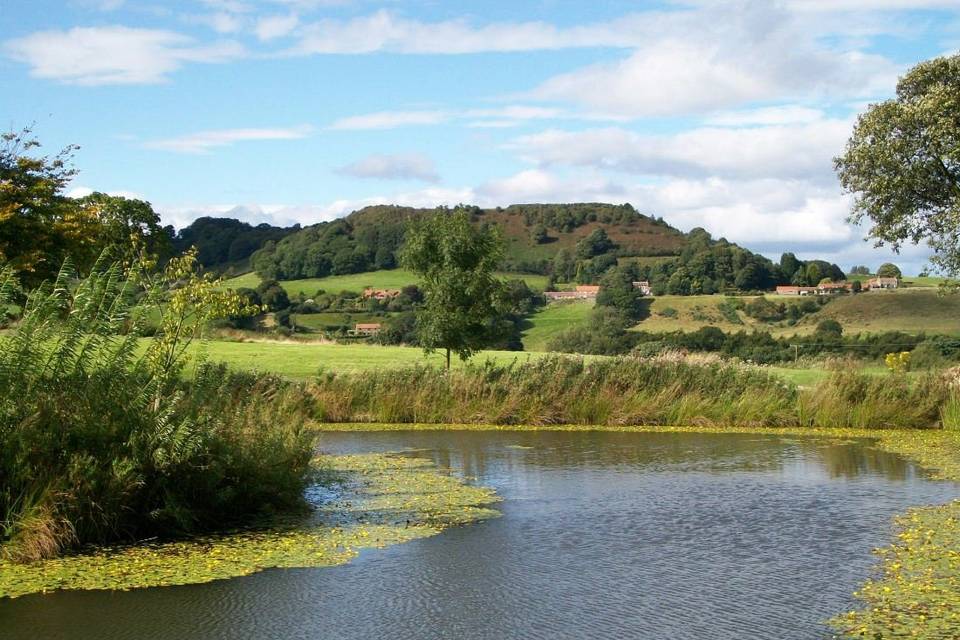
x=390, y=120
x=272, y=27
x=787, y=151
x=204, y=141
x=783, y=114
x=81, y=191
x=719, y=57
x=413, y=166
x=384, y=31
x=113, y=55
x=220, y=21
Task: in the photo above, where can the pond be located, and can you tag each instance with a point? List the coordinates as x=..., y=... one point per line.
x=603, y=535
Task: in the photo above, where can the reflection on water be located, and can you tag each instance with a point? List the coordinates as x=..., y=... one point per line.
x=603, y=535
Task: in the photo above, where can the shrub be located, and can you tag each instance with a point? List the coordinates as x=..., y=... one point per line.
x=101, y=442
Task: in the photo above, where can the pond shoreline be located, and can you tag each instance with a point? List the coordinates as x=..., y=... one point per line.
x=384, y=500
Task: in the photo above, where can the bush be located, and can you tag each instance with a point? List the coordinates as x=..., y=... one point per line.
x=100, y=444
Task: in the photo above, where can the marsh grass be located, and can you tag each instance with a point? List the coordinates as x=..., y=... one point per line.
x=670, y=389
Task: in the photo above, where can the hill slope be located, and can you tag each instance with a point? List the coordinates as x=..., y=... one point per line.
x=369, y=239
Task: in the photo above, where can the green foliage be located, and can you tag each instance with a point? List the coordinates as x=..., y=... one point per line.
x=595, y=244
x=903, y=163
x=889, y=270
x=101, y=441
x=40, y=227
x=225, y=242
x=462, y=309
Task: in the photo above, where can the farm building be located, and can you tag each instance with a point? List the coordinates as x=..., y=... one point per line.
x=882, y=283
x=366, y=329
x=643, y=286
x=790, y=290
x=827, y=288
x=380, y=294
x=582, y=292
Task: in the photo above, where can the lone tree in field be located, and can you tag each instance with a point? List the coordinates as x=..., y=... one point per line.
x=903, y=163
x=456, y=261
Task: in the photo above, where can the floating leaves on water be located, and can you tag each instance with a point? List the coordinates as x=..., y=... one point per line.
x=384, y=500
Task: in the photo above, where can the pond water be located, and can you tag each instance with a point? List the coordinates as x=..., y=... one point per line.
x=603, y=535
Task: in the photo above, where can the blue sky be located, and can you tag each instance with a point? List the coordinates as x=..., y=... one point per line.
x=723, y=115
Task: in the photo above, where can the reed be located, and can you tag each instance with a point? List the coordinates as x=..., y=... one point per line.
x=669, y=389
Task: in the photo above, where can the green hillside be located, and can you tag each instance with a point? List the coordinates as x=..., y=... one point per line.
x=911, y=310
x=546, y=323
x=357, y=282
x=370, y=239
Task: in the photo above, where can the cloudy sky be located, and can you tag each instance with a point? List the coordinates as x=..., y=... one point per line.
x=717, y=114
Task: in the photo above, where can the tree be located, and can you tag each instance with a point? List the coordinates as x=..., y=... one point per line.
x=595, y=244
x=903, y=163
x=32, y=206
x=539, y=234
x=456, y=262
x=889, y=270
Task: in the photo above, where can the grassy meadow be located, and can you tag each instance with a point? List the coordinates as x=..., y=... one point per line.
x=911, y=310
x=303, y=360
x=384, y=279
x=549, y=321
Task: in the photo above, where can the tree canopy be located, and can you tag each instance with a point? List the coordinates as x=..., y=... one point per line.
x=41, y=227
x=456, y=261
x=903, y=163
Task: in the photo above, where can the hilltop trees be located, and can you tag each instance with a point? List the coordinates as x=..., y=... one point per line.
x=40, y=226
x=903, y=163
x=456, y=261
x=889, y=270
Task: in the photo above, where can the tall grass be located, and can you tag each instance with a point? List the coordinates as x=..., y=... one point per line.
x=663, y=390
x=97, y=446
x=560, y=390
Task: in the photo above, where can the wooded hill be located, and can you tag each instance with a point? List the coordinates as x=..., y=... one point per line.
x=579, y=242
x=369, y=239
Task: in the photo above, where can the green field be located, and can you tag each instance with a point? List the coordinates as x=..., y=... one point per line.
x=553, y=319
x=911, y=310
x=908, y=310
x=357, y=282
x=318, y=321
x=305, y=359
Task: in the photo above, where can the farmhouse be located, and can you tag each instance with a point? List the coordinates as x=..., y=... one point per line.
x=366, y=329
x=796, y=291
x=380, y=294
x=643, y=286
x=827, y=288
x=582, y=292
x=883, y=283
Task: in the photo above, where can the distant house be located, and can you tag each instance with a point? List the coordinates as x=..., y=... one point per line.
x=883, y=283
x=644, y=287
x=366, y=329
x=380, y=294
x=582, y=292
x=790, y=290
x=828, y=288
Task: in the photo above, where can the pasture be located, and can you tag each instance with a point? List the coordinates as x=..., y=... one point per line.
x=357, y=282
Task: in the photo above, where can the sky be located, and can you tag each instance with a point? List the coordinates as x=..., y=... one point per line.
x=722, y=115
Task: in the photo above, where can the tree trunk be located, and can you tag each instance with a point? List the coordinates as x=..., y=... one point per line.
x=448, y=360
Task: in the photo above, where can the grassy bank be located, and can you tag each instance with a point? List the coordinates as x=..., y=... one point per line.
x=633, y=391
x=381, y=500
